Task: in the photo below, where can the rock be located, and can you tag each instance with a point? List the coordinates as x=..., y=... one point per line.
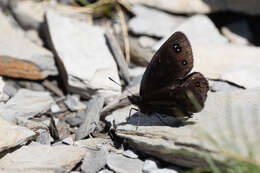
x=16, y=135
x=3, y=95
x=130, y=154
x=217, y=86
x=20, y=58
x=74, y=104
x=29, y=13
x=139, y=54
x=26, y=104
x=34, y=37
x=199, y=29
x=91, y=118
x=202, y=6
x=151, y=167
x=94, y=160
x=90, y=71
x=55, y=108
x=119, y=163
x=105, y=171
x=68, y=141
x=235, y=113
x=10, y=89
x=238, y=33
x=42, y=158
x=43, y=137
x=76, y=120
x=234, y=63
x=153, y=22
x=146, y=42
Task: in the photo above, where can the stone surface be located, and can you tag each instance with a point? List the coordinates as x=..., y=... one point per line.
x=153, y=22
x=130, y=154
x=26, y=104
x=20, y=58
x=42, y=158
x=16, y=135
x=199, y=29
x=94, y=61
x=151, y=167
x=74, y=104
x=202, y=6
x=235, y=63
x=238, y=32
x=94, y=160
x=43, y=137
x=119, y=163
x=3, y=95
x=235, y=113
x=29, y=13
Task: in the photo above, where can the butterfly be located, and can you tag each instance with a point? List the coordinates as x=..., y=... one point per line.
x=166, y=86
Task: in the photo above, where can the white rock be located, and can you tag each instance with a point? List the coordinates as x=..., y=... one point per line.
x=42, y=158
x=26, y=104
x=235, y=113
x=153, y=22
x=83, y=50
x=16, y=46
x=238, y=32
x=235, y=63
x=151, y=167
x=130, y=154
x=202, y=6
x=12, y=135
x=119, y=163
x=199, y=29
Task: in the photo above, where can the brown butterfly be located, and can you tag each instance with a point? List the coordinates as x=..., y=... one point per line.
x=166, y=86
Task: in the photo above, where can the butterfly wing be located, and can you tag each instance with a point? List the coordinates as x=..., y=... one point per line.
x=172, y=61
x=187, y=96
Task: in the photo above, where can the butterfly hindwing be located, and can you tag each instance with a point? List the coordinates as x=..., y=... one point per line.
x=172, y=61
x=187, y=96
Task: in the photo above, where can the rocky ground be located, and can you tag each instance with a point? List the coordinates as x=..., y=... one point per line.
x=59, y=112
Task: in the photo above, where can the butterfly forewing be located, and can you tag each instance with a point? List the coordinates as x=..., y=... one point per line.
x=171, y=62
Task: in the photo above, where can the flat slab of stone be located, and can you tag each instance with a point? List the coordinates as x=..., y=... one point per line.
x=199, y=29
x=235, y=63
x=42, y=158
x=235, y=113
x=202, y=6
x=25, y=104
x=153, y=22
x=83, y=50
x=20, y=58
x=16, y=135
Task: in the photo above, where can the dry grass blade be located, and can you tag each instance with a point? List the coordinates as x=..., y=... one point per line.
x=125, y=32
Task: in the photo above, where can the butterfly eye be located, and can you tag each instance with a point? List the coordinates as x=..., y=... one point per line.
x=177, y=48
x=197, y=84
x=184, y=62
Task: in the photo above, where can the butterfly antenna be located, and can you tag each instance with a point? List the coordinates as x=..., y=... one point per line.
x=120, y=85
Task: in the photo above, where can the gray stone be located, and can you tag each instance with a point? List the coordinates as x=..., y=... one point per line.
x=42, y=158
x=202, y=6
x=10, y=89
x=146, y=42
x=21, y=58
x=76, y=120
x=26, y=104
x=91, y=118
x=74, y=104
x=130, y=154
x=93, y=66
x=94, y=160
x=151, y=167
x=68, y=141
x=119, y=163
x=43, y=137
x=153, y=22
x=29, y=13
x=3, y=95
x=238, y=33
x=236, y=113
x=55, y=108
x=199, y=29
x=12, y=135
x=105, y=171
x=234, y=63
